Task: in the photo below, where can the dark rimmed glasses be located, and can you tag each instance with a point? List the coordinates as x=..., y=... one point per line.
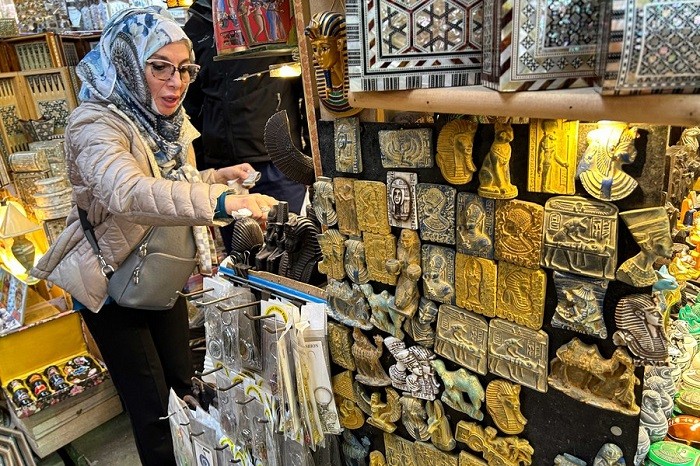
x=163, y=70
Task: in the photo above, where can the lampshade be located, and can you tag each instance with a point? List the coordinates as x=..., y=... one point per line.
x=285, y=70
x=13, y=223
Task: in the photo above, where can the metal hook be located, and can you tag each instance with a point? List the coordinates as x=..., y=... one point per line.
x=236, y=461
x=236, y=307
x=245, y=402
x=261, y=420
x=272, y=330
x=268, y=316
x=201, y=374
x=196, y=435
x=213, y=301
x=168, y=416
x=224, y=389
x=221, y=448
x=185, y=423
x=194, y=293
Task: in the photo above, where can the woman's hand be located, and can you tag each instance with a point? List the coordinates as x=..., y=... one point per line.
x=258, y=204
x=234, y=172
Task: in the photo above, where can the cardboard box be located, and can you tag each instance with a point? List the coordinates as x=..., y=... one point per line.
x=48, y=338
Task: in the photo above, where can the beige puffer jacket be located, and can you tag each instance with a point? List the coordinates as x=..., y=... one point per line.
x=113, y=181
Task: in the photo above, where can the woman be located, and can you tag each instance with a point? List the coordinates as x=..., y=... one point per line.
x=133, y=87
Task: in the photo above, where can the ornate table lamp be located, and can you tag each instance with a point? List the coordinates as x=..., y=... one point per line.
x=15, y=225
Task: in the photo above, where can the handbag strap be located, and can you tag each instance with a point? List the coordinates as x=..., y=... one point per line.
x=106, y=269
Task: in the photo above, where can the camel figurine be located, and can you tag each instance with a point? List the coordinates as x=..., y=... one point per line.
x=456, y=383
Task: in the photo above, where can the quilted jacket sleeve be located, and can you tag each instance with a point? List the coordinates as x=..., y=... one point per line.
x=111, y=166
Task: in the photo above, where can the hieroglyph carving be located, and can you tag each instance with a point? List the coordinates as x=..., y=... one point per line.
x=371, y=207
x=462, y=337
x=518, y=354
x=475, y=284
x=519, y=233
x=436, y=212
x=344, y=189
x=406, y=148
x=553, y=156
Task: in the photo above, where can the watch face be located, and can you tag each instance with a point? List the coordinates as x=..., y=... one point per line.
x=215, y=348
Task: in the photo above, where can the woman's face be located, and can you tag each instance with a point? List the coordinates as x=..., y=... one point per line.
x=167, y=95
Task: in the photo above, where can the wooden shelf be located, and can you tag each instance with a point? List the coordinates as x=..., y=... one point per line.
x=575, y=104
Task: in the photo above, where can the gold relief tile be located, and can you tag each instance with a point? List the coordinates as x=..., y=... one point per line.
x=355, y=261
x=520, y=295
x=340, y=345
x=414, y=417
x=580, y=236
x=475, y=225
x=332, y=245
x=399, y=451
x=378, y=250
x=518, y=354
x=519, y=232
x=438, y=273
x=502, y=451
x=401, y=196
x=462, y=336
x=406, y=148
x=343, y=385
x=428, y=454
x=455, y=146
x=503, y=404
x=371, y=207
x=344, y=189
x=436, y=212
x=348, y=156
x=553, y=156
x=475, y=284
x=350, y=415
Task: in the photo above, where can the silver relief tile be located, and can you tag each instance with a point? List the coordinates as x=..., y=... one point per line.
x=401, y=199
x=462, y=337
x=348, y=154
x=406, y=148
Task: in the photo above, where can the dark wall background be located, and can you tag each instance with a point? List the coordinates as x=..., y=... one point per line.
x=556, y=422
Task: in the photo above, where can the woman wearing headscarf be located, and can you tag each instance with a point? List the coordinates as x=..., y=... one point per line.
x=129, y=124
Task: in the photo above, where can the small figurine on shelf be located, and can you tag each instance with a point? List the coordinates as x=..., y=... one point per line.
x=439, y=426
x=494, y=176
x=459, y=382
x=407, y=267
x=609, y=455
x=369, y=368
x=384, y=315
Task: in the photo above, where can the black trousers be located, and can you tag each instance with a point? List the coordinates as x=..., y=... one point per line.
x=147, y=353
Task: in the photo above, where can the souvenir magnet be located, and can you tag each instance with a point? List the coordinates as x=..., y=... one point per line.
x=609, y=455
x=518, y=354
x=475, y=284
x=347, y=304
x=581, y=372
x=355, y=261
x=640, y=326
x=401, y=197
x=428, y=454
x=506, y=451
x=381, y=414
x=354, y=451
x=566, y=459
x=494, y=175
x=475, y=225
x=439, y=426
x=553, y=154
x=652, y=416
x=518, y=233
x=412, y=373
x=384, y=314
x=438, y=273
x=436, y=212
x=344, y=189
x=580, y=236
x=520, y=295
x=324, y=201
x=371, y=207
x=332, y=245
x=369, y=368
x=462, y=337
x=610, y=146
x=406, y=148
x=419, y=327
x=376, y=458
x=456, y=383
x=455, y=146
x=580, y=304
x=503, y=404
x=652, y=231
x=348, y=155
x=407, y=267
x=414, y=418
x=379, y=249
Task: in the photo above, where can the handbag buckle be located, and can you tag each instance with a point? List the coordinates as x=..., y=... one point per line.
x=143, y=250
x=105, y=269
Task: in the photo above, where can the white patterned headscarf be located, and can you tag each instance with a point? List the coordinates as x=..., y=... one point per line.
x=114, y=73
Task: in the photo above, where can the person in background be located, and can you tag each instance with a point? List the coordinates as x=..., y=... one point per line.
x=131, y=117
x=231, y=115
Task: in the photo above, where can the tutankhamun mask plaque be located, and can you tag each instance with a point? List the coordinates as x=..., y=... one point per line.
x=344, y=189
x=475, y=284
x=348, y=157
x=494, y=176
x=324, y=201
x=401, y=196
x=332, y=245
x=552, y=163
x=519, y=233
x=652, y=231
x=640, y=322
x=580, y=236
x=520, y=295
x=503, y=404
x=454, y=151
x=327, y=35
x=600, y=170
x=475, y=225
x=371, y=207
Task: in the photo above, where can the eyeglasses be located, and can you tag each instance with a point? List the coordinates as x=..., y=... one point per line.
x=164, y=70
